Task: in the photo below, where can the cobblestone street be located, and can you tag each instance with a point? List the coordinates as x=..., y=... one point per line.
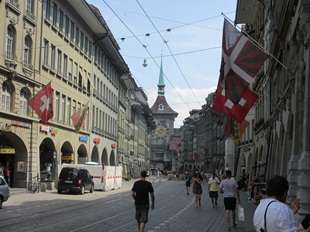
x=114, y=211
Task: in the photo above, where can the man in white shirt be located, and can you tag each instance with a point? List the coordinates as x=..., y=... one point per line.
x=272, y=214
x=229, y=188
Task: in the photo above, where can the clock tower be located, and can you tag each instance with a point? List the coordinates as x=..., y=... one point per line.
x=164, y=117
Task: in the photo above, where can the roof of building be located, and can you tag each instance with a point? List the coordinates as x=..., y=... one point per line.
x=166, y=109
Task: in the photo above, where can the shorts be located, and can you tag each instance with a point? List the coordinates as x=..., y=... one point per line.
x=188, y=184
x=213, y=194
x=142, y=212
x=230, y=203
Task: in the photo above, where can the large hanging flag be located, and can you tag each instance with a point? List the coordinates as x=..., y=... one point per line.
x=79, y=117
x=42, y=103
x=241, y=61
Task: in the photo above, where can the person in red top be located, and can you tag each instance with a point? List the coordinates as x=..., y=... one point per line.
x=7, y=173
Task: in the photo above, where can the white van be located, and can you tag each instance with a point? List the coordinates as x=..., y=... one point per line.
x=105, y=178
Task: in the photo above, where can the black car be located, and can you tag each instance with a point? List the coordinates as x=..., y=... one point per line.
x=75, y=179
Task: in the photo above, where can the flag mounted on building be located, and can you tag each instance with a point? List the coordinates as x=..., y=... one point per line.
x=42, y=103
x=241, y=61
x=78, y=117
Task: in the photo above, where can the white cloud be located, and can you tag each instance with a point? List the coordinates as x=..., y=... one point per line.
x=182, y=100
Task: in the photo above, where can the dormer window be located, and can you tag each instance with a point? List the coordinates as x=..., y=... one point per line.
x=161, y=107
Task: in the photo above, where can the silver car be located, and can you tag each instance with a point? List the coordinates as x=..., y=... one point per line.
x=4, y=191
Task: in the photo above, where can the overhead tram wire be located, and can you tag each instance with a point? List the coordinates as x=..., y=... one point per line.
x=169, y=49
x=180, y=26
x=146, y=49
x=178, y=53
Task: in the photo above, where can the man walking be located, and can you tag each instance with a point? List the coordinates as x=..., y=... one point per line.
x=229, y=188
x=140, y=193
x=272, y=214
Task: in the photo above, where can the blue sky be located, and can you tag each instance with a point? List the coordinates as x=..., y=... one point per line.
x=200, y=69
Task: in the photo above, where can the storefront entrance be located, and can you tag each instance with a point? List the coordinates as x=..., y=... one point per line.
x=82, y=154
x=13, y=159
x=112, y=158
x=104, y=157
x=95, y=155
x=47, y=160
x=67, y=154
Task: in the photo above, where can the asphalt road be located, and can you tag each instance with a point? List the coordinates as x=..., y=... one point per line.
x=51, y=212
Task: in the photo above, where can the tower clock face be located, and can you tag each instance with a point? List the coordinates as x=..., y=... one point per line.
x=161, y=131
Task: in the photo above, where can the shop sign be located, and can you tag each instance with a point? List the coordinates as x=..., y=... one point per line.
x=113, y=146
x=83, y=138
x=96, y=140
x=44, y=129
x=20, y=124
x=69, y=157
x=21, y=167
x=7, y=150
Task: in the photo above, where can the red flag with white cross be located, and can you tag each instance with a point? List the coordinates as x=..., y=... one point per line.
x=42, y=103
x=241, y=61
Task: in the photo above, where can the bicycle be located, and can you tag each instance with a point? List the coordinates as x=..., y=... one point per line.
x=35, y=185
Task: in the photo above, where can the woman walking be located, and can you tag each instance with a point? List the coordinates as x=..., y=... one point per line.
x=213, y=186
x=197, y=189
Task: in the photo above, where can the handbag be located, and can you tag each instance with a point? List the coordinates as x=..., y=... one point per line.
x=241, y=216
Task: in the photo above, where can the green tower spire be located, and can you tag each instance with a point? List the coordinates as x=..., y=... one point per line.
x=161, y=83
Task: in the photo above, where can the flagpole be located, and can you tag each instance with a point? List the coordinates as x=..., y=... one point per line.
x=256, y=43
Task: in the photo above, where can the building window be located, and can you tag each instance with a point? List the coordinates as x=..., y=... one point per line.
x=23, y=101
x=94, y=90
x=76, y=74
x=93, y=121
x=77, y=37
x=98, y=86
x=65, y=71
x=67, y=25
x=55, y=14
x=7, y=97
x=53, y=57
x=72, y=30
x=96, y=119
x=101, y=90
x=161, y=107
x=28, y=51
x=47, y=9
x=63, y=109
x=30, y=7
x=10, y=42
x=90, y=49
x=69, y=111
x=46, y=50
x=86, y=45
x=70, y=70
x=99, y=126
x=80, y=82
x=82, y=42
x=59, y=62
x=61, y=20
x=57, y=106
x=74, y=107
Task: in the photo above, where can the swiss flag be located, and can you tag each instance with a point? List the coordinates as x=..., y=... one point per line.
x=241, y=61
x=79, y=117
x=42, y=103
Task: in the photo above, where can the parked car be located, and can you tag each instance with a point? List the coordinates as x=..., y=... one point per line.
x=75, y=179
x=4, y=191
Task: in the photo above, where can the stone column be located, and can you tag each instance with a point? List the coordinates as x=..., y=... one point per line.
x=304, y=161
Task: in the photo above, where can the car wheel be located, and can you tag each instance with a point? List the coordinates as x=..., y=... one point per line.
x=82, y=190
x=91, y=189
x=1, y=202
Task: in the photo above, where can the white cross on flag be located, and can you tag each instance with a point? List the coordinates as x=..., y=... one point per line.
x=42, y=103
x=241, y=61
